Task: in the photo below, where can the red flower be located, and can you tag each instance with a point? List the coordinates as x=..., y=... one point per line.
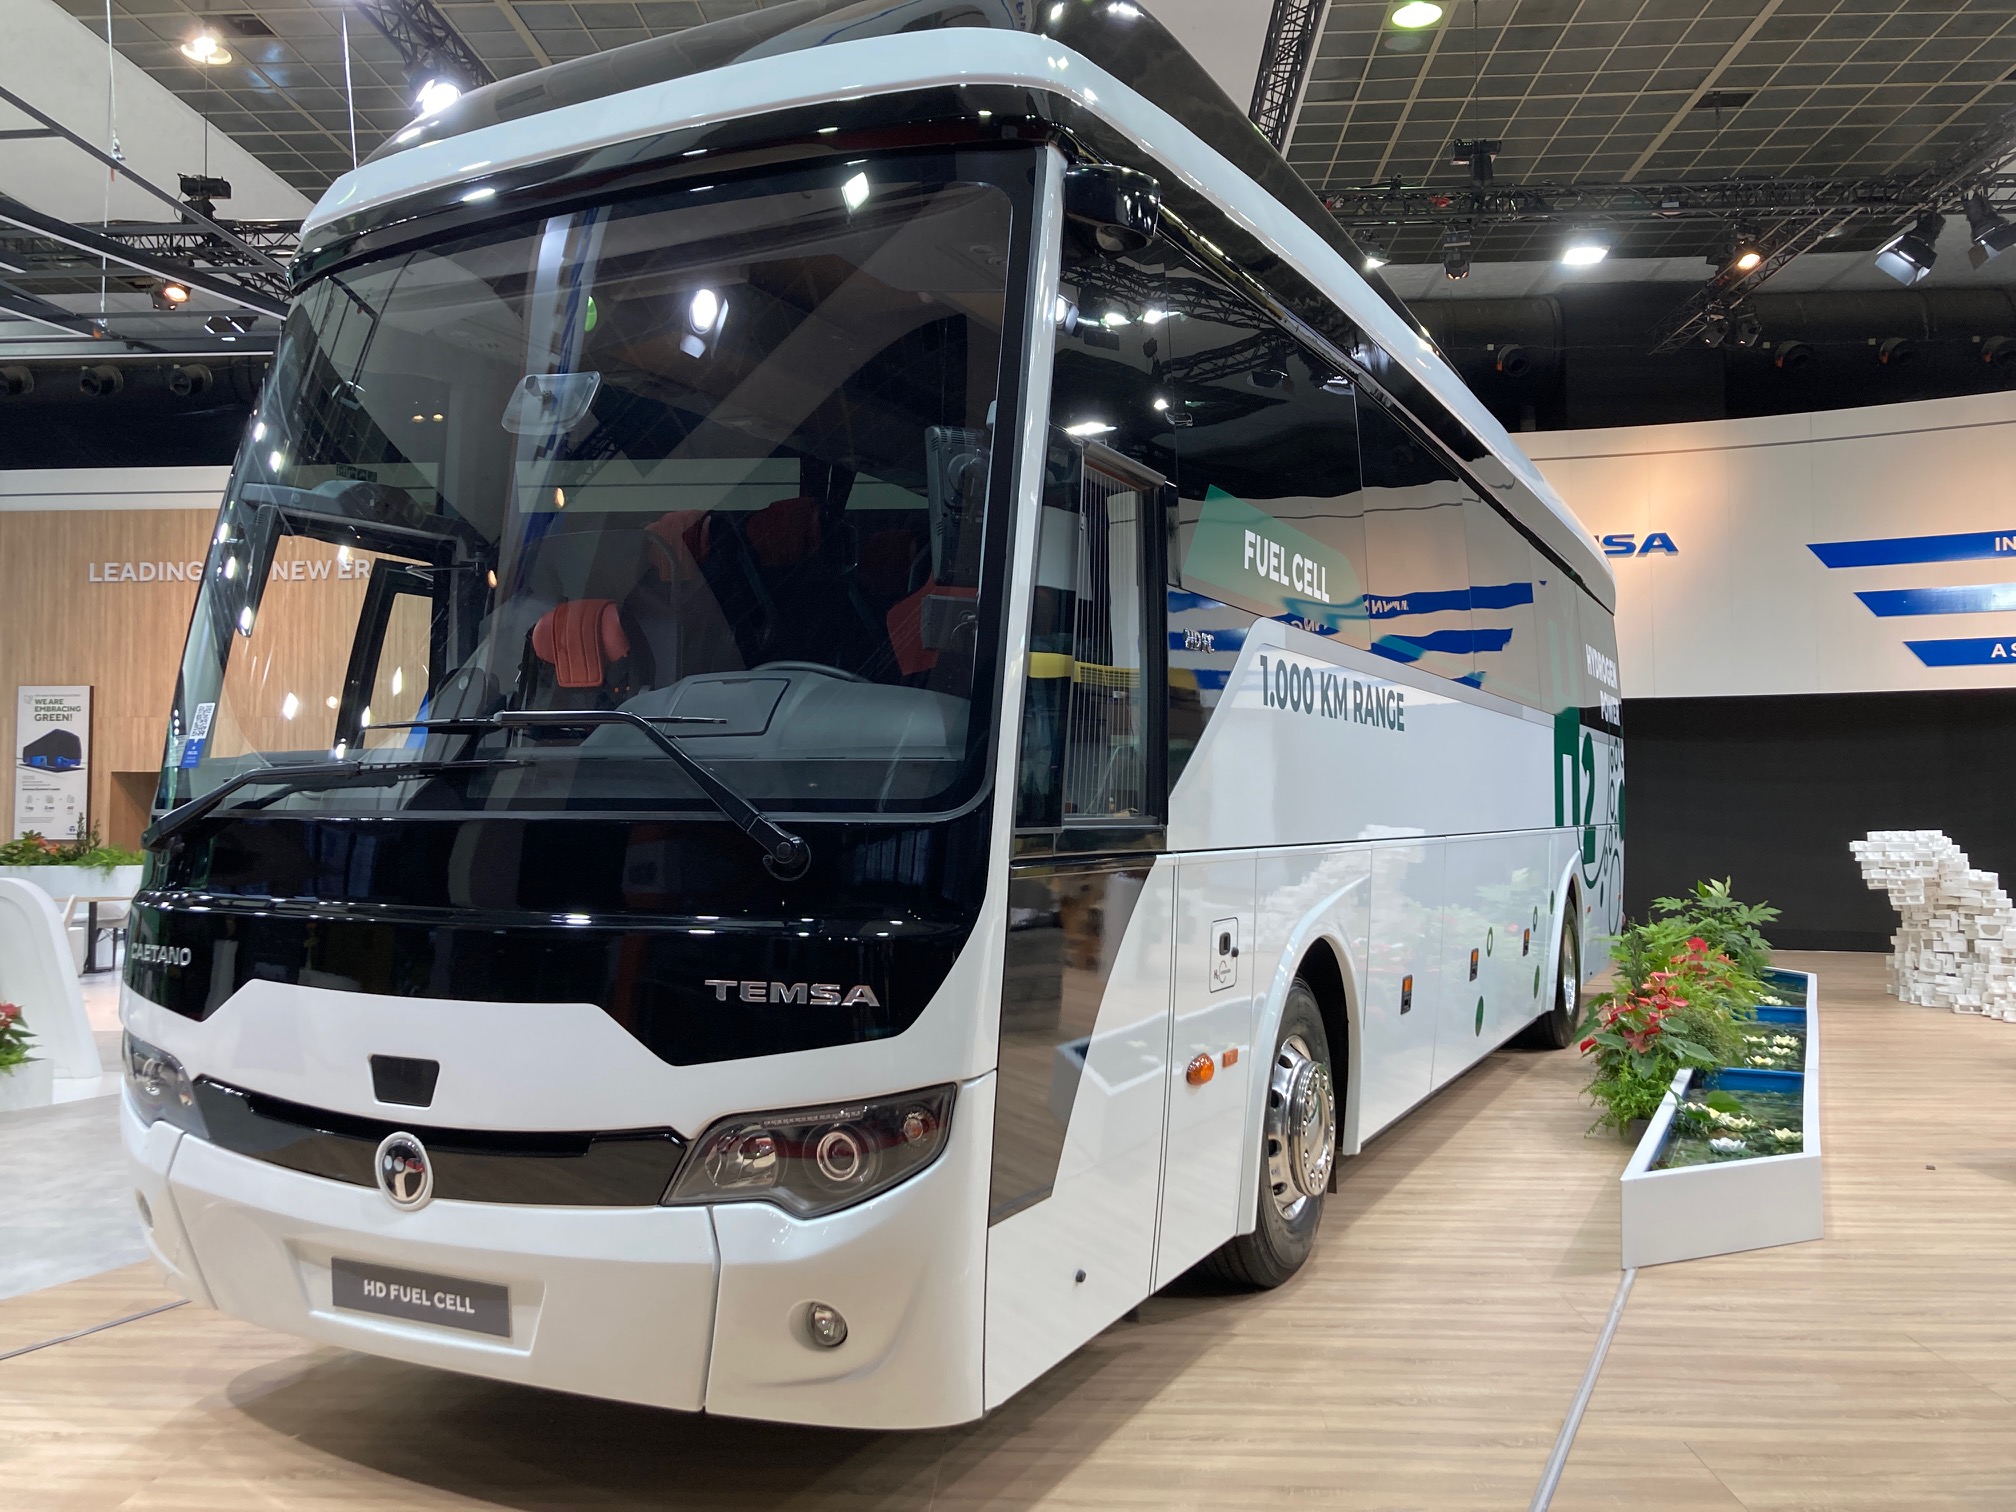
x=1697, y=945
x=1588, y=1044
x=8, y=1013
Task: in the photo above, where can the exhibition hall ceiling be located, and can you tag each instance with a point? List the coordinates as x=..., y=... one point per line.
x=1578, y=94
x=1594, y=90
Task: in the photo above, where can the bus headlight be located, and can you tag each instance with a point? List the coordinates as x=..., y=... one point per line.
x=160, y=1088
x=815, y=1160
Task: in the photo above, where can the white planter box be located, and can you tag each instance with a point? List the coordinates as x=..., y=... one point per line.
x=64, y=882
x=1732, y=1205
x=32, y=1084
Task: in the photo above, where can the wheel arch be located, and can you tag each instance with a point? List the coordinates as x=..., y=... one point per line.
x=1318, y=953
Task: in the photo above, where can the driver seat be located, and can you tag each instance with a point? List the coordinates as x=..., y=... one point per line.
x=582, y=644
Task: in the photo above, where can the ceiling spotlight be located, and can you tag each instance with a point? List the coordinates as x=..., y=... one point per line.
x=186, y=381
x=15, y=381
x=1477, y=156
x=1999, y=351
x=1791, y=356
x=1715, y=327
x=1456, y=253
x=1513, y=360
x=1375, y=256
x=100, y=382
x=1584, y=252
x=436, y=95
x=1745, y=329
x=201, y=191
x=1416, y=14
x=169, y=295
x=1989, y=234
x=1897, y=352
x=204, y=48
x=1908, y=256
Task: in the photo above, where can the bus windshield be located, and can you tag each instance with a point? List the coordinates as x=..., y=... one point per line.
x=717, y=457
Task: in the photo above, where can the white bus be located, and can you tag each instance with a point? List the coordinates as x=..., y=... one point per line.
x=853, y=701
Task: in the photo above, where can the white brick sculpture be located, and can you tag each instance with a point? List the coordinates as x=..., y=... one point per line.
x=1956, y=947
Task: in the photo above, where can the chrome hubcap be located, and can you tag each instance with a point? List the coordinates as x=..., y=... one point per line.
x=1569, y=1001
x=1301, y=1127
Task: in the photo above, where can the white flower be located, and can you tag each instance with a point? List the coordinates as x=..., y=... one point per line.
x=1788, y=1136
x=1727, y=1146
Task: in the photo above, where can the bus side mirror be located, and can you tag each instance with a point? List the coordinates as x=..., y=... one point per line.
x=1118, y=206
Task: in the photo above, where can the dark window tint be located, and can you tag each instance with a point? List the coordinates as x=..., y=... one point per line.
x=1417, y=555
x=1501, y=605
x=1557, y=603
x=1088, y=732
x=1271, y=517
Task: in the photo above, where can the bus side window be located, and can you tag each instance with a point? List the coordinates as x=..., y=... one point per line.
x=1090, y=729
x=1272, y=513
x=1562, y=659
x=1502, y=605
x=1086, y=726
x=1417, y=554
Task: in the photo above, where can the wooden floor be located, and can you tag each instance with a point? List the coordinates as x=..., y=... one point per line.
x=1424, y=1360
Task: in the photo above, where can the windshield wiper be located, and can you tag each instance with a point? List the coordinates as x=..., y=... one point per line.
x=177, y=819
x=785, y=856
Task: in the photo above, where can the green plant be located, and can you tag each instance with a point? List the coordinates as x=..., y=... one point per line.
x=14, y=1037
x=1678, y=1003
x=1728, y=924
x=32, y=849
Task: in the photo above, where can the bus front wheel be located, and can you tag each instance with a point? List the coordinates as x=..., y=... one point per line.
x=1298, y=1148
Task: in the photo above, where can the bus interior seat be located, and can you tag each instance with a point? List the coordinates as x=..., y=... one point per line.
x=674, y=605
x=578, y=645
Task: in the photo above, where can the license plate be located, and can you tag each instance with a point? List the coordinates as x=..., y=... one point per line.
x=417, y=1296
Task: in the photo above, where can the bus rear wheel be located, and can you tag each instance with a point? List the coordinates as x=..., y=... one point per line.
x=1555, y=1029
x=1298, y=1149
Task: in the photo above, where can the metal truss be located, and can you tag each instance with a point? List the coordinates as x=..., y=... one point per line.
x=1974, y=167
x=1395, y=204
x=1285, y=56
x=237, y=287
x=425, y=39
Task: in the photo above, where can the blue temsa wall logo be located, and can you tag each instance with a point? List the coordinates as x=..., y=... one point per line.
x=1958, y=598
x=1626, y=543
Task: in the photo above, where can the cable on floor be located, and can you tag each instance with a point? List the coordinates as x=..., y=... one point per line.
x=1558, y=1460
x=94, y=1328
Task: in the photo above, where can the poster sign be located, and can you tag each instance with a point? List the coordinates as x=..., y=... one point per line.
x=52, y=761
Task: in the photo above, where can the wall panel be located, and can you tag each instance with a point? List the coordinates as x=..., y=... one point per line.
x=61, y=621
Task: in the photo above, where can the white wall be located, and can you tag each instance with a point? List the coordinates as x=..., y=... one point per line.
x=112, y=487
x=57, y=64
x=1224, y=35
x=1743, y=604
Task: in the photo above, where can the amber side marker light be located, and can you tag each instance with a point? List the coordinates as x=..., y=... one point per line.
x=1201, y=1070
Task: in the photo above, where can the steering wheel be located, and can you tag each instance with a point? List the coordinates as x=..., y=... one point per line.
x=811, y=666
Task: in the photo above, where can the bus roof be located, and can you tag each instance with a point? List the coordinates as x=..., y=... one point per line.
x=742, y=67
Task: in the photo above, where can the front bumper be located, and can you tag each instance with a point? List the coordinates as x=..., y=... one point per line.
x=692, y=1308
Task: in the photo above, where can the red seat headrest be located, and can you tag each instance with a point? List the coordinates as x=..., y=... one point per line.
x=579, y=639
x=785, y=533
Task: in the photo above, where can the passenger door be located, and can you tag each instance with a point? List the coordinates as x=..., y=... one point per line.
x=1082, y=1080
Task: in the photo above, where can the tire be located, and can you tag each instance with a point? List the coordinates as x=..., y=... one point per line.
x=1298, y=1150
x=1555, y=1029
